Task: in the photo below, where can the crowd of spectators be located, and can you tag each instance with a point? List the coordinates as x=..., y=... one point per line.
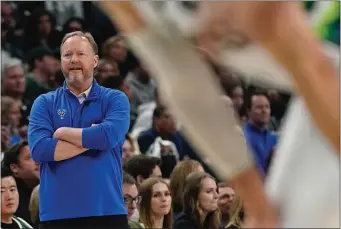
x=157, y=157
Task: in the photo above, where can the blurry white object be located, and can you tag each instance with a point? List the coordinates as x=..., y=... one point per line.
x=304, y=176
x=155, y=149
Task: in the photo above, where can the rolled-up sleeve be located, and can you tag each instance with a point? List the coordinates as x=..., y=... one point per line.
x=40, y=132
x=114, y=127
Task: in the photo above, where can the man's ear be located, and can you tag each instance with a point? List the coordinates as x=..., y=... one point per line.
x=96, y=59
x=139, y=180
x=14, y=168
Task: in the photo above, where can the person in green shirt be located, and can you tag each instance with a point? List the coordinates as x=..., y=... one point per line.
x=42, y=66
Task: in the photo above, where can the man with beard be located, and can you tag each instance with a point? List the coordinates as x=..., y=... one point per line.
x=76, y=133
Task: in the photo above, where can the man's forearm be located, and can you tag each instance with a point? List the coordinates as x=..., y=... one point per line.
x=66, y=150
x=71, y=135
x=314, y=75
x=250, y=187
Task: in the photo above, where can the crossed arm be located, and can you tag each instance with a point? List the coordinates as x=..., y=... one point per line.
x=65, y=142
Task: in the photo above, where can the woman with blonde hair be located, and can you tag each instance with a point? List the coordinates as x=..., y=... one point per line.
x=200, y=203
x=10, y=116
x=236, y=214
x=115, y=49
x=178, y=180
x=156, y=203
x=34, y=206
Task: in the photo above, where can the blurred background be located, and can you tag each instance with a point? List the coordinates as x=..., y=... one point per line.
x=31, y=33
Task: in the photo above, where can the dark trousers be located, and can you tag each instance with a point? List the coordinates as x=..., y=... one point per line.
x=98, y=222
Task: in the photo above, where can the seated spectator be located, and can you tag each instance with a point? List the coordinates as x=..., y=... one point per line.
x=74, y=24
x=156, y=202
x=131, y=199
x=10, y=116
x=13, y=85
x=63, y=10
x=200, y=203
x=236, y=214
x=26, y=173
x=12, y=33
x=106, y=69
x=166, y=151
x=144, y=118
x=164, y=126
x=10, y=201
x=5, y=139
x=115, y=50
x=142, y=167
x=56, y=80
x=260, y=139
x=34, y=207
x=226, y=197
x=43, y=65
x=142, y=85
x=178, y=180
x=129, y=149
x=278, y=104
x=41, y=30
x=236, y=93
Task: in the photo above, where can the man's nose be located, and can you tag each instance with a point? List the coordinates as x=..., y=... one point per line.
x=74, y=59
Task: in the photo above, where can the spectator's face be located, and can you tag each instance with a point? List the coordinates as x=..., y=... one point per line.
x=118, y=51
x=15, y=115
x=7, y=14
x=75, y=26
x=208, y=196
x=127, y=152
x=49, y=65
x=161, y=200
x=274, y=95
x=238, y=97
x=226, y=196
x=107, y=69
x=156, y=172
x=260, y=110
x=131, y=198
x=167, y=122
x=78, y=60
x=45, y=25
x=9, y=196
x=127, y=90
x=26, y=168
x=14, y=81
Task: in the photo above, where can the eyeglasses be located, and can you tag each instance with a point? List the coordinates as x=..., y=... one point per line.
x=129, y=199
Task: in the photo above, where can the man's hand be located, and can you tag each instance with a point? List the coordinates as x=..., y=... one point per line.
x=68, y=134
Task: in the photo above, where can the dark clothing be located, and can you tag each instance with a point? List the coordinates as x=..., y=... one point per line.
x=17, y=222
x=13, y=225
x=147, y=138
x=184, y=221
x=24, y=200
x=98, y=222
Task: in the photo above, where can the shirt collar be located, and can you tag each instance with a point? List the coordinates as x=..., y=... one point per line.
x=83, y=94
